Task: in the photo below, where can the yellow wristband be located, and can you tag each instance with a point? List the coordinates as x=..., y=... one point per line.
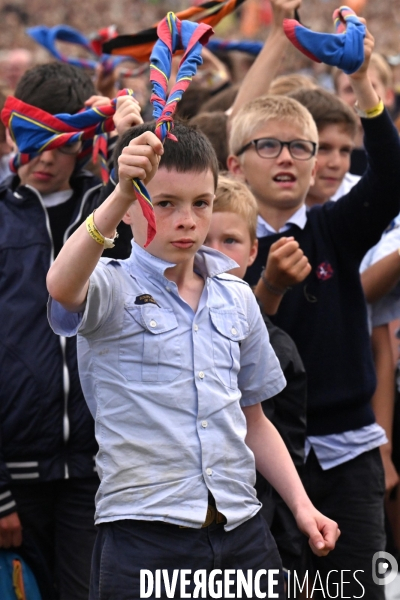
x=371, y=112
x=96, y=235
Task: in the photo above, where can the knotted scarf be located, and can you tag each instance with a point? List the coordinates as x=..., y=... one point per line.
x=173, y=34
x=343, y=49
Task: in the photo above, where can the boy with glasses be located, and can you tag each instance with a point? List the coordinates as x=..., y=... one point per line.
x=325, y=314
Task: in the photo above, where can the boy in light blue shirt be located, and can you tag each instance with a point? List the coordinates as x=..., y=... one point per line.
x=170, y=350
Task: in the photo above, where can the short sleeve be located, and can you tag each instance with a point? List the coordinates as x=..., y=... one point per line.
x=260, y=375
x=387, y=308
x=98, y=306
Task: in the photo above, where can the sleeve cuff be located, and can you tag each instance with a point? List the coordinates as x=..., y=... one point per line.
x=7, y=503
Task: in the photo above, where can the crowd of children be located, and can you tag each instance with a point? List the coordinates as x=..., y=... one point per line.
x=220, y=397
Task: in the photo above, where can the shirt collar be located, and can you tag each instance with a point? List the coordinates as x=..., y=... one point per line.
x=299, y=218
x=207, y=262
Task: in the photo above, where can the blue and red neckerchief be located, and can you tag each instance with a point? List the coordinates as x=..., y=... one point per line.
x=173, y=35
x=253, y=47
x=48, y=36
x=343, y=49
x=35, y=130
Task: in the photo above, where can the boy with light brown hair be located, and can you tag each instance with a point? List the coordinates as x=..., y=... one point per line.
x=233, y=232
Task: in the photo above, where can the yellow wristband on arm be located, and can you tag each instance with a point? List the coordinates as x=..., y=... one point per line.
x=371, y=112
x=96, y=235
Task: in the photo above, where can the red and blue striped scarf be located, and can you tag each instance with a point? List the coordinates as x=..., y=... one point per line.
x=35, y=130
x=343, y=49
x=173, y=35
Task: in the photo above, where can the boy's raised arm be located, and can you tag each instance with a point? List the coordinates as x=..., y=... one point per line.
x=367, y=98
x=68, y=277
x=262, y=72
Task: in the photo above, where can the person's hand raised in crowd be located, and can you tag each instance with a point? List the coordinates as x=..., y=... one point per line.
x=283, y=9
x=105, y=81
x=126, y=115
x=138, y=160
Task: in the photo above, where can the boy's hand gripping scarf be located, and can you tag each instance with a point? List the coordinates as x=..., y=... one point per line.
x=139, y=45
x=34, y=131
x=343, y=49
x=173, y=35
x=48, y=36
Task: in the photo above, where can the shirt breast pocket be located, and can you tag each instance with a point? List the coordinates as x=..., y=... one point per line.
x=149, y=346
x=229, y=328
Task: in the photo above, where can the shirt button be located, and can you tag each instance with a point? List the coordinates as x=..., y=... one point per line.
x=201, y=375
x=204, y=424
x=168, y=289
x=233, y=330
x=153, y=323
x=196, y=327
x=209, y=471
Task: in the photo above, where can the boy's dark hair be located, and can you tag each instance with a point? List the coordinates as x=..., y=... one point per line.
x=222, y=100
x=326, y=109
x=55, y=87
x=192, y=152
x=192, y=101
x=213, y=125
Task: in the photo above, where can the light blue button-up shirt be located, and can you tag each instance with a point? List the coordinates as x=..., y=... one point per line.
x=166, y=386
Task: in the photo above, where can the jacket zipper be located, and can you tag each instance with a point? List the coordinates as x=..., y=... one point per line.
x=62, y=339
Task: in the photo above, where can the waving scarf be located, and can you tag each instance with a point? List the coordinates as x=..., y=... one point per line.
x=249, y=47
x=139, y=45
x=48, y=36
x=343, y=49
x=173, y=34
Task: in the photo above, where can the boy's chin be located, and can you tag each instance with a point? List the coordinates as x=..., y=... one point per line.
x=171, y=253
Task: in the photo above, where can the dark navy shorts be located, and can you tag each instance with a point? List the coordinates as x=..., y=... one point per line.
x=124, y=548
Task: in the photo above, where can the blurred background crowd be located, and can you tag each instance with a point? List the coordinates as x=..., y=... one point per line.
x=250, y=21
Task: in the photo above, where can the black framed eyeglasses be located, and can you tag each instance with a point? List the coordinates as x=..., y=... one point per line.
x=271, y=148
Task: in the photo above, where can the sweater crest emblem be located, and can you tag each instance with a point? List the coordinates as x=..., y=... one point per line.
x=324, y=271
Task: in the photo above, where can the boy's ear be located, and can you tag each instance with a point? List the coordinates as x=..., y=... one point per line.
x=235, y=166
x=313, y=172
x=253, y=253
x=10, y=141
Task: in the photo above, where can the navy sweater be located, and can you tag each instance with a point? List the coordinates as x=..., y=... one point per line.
x=326, y=313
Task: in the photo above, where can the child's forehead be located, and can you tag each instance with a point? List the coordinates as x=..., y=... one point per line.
x=336, y=129
x=227, y=221
x=169, y=180
x=277, y=128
